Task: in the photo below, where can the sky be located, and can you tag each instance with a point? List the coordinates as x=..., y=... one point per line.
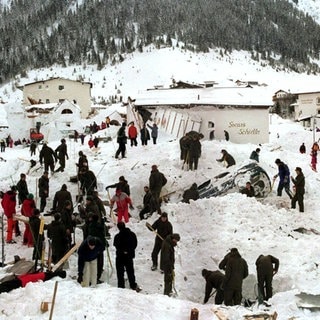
x=208, y=227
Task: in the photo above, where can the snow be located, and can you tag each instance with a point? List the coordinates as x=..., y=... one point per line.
x=208, y=227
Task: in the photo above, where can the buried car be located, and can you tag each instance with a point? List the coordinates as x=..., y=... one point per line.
x=233, y=181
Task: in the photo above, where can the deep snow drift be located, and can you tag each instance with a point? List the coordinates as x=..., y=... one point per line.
x=208, y=229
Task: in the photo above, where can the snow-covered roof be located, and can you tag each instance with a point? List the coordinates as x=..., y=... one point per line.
x=41, y=106
x=237, y=96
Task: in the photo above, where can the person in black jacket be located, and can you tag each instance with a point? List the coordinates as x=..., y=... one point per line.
x=248, y=190
x=163, y=228
x=34, y=222
x=88, y=253
x=236, y=269
x=67, y=220
x=43, y=185
x=214, y=280
x=97, y=229
x=149, y=204
x=88, y=181
x=194, y=152
x=227, y=159
x=156, y=181
x=62, y=154
x=48, y=157
x=56, y=231
x=299, y=183
x=191, y=194
x=167, y=261
x=122, y=141
x=144, y=135
x=267, y=267
x=122, y=185
x=23, y=192
x=60, y=198
x=125, y=242
x=22, y=188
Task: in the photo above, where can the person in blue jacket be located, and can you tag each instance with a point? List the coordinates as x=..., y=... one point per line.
x=88, y=253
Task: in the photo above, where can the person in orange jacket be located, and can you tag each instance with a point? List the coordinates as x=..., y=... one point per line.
x=133, y=133
x=27, y=210
x=122, y=200
x=9, y=207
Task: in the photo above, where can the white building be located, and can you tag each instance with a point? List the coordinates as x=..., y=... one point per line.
x=242, y=111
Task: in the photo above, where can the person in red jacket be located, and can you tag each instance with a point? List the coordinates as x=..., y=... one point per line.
x=27, y=210
x=90, y=143
x=24, y=279
x=122, y=200
x=133, y=133
x=9, y=207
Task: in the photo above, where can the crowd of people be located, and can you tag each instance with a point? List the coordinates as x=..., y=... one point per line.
x=93, y=217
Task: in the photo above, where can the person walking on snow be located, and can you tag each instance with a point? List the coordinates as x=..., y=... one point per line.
x=299, y=183
x=48, y=157
x=163, y=228
x=62, y=154
x=122, y=141
x=284, y=178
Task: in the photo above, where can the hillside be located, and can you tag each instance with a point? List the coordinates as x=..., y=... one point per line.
x=101, y=33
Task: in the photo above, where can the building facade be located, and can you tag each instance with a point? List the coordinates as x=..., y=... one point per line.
x=242, y=112
x=57, y=90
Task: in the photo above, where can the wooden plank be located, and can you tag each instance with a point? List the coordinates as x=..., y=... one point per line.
x=65, y=257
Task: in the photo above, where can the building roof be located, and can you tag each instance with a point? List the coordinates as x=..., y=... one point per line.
x=53, y=78
x=231, y=96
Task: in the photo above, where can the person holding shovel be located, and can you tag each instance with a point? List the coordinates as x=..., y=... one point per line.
x=162, y=228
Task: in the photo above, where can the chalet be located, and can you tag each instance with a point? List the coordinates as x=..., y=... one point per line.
x=284, y=103
x=56, y=90
x=242, y=111
x=307, y=108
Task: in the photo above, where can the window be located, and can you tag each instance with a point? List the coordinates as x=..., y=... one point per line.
x=210, y=124
x=61, y=87
x=318, y=100
x=40, y=86
x=66, y=111
x=47, y=100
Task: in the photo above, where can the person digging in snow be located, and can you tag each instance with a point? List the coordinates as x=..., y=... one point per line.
x=267, y=267
x=214, y=280
x=167, y=261
x=227, y=159
x=163, y=228
x=284, y=178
